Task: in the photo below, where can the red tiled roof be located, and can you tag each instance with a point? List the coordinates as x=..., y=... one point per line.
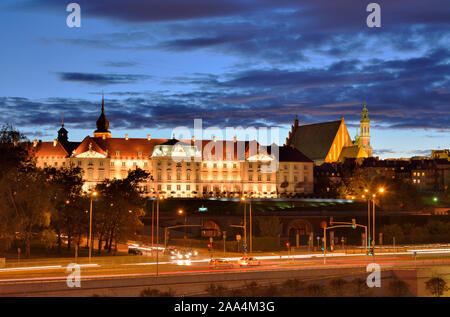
x=44, y=149
x=209, y=147
x=130, y=148
x=127, y=148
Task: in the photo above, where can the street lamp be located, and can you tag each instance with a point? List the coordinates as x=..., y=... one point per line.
x=243, y=199
x=157, y=233
x=245, y=220
x=94, y=194
x=368, y=215
x=180, y=213
x=250, y=214
x=381, y=190
x=153, y=222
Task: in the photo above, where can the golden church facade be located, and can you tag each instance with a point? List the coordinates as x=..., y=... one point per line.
x=329, y=142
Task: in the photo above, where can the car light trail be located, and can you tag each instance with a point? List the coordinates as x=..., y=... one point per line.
x=31, y=268
x=431, y=251
x=49, y=267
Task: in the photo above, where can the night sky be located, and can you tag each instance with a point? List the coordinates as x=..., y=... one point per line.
x=231, y=63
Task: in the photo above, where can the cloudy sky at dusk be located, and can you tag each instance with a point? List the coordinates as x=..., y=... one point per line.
x=161, y=64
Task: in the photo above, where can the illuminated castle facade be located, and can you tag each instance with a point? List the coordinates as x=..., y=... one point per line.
x=182, y=168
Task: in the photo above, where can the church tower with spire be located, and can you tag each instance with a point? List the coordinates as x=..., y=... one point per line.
x=102, y=124
x=364, y=137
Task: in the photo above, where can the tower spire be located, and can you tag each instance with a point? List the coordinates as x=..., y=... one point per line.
x=364, y=124
x=63, y=137
x=102, y=123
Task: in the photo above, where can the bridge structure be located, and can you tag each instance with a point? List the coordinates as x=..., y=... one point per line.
x=298, y=224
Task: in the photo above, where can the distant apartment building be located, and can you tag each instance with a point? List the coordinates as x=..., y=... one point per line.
x=427, y=175
x=441, y=154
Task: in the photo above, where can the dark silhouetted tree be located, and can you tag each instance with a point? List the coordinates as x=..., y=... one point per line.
x=436, y=286
x=398, y=288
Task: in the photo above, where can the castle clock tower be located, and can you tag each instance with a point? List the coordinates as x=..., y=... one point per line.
x=63, y=137
x=102, y=124
x=364, y=137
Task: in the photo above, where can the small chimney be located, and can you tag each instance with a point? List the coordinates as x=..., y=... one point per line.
x=55, y=141
x=126, y=136
x=149, y=137
x=34, y=143
x=214, y=138
x=193, y=138
x=234, y=139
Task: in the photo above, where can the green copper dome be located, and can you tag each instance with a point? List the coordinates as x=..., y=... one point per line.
x=365, y=114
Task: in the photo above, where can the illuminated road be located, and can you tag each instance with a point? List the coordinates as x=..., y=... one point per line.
x=50, y=280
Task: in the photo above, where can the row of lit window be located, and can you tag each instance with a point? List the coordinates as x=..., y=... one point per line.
x=169, y=176
x=328, y=173
x=124, y=164
x=285, y=178
x=55, y=164
x=305, y=167
x=205, y=188
x=139, y=153
x=178, y=187
x=225, y=176
x=418, y=174
x=220, y=165
x=268, y=177
x=101, y=163
x=205, y=164
x=178, y=164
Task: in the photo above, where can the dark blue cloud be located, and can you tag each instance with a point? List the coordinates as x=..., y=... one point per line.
x=101, y=79
x=401, y=94
x=314, y=58
x=331, y=14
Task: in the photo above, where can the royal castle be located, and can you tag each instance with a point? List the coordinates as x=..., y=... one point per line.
x=207, y=168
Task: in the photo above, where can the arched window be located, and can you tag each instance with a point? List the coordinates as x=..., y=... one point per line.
x=211, y=229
